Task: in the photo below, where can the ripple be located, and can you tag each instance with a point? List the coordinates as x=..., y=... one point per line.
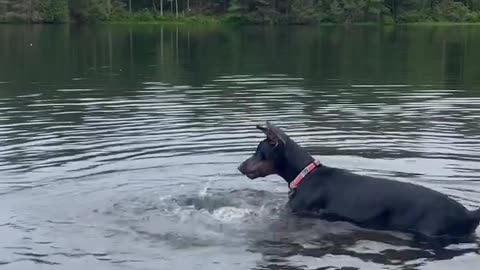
x=76, y=90
x=154, y=170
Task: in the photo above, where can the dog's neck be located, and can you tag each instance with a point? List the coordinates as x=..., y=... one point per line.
x=296, y=159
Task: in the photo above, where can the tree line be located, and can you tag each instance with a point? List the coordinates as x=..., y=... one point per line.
x=242, y=11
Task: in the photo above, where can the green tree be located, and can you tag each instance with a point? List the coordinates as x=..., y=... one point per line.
x=54, y=11
x=88, y=10
x=453, y=11
x=21, y=10
x=261, y=11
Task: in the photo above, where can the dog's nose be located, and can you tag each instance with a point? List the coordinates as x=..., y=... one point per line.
x=241, y=168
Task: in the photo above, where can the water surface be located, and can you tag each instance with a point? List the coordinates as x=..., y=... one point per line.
x=119, y=145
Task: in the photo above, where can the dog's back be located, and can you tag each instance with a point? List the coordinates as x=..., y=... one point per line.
x=376, y=202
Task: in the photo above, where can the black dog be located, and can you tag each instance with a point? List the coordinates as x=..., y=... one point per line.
x=336, y=194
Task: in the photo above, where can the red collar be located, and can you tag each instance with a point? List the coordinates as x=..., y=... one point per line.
x=311, y=167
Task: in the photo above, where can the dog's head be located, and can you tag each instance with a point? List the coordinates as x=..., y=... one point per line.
x=269, y=155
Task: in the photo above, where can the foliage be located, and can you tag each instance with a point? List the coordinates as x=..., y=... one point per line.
x=306, y=11
x=453, y=11
x=88, y=10
x=414, y=16
x=20, y=11
x=54, y=11
x=473, y=17
x=242, y=11
x=142, y=16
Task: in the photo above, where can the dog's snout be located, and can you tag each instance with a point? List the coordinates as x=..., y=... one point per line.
x=246, y=166
x=241, y=168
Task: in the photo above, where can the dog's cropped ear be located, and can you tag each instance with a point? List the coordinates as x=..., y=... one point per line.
x=274, y=134
x=263, y=129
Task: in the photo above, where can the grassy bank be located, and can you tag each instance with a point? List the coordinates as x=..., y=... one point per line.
x=234, y=20
x=151, y=18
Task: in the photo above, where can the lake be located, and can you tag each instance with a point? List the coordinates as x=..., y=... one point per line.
x=119, y=145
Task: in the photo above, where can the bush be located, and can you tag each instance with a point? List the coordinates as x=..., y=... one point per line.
x=118, y=11
x=336, y=12
x=199, y=20
x=13, y=17
x=473, y=17
x=305, y=12
x=236, y=19
x=387, y=19
x=454, y=12
x=143, y=16
x=88, y=10
x=54, y=11
x=414, y=16
x=97, y=10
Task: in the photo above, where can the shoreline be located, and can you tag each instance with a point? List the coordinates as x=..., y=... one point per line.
x=232, y=21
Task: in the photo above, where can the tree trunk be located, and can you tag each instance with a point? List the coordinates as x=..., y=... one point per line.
x=109, y=7
x=188, y=5
x=161, y=8
x=394, y=9
x=469, y=4
x=154, y=6
x=130, y=6
x=3, y=7
x=30, y=11
x=176, y=8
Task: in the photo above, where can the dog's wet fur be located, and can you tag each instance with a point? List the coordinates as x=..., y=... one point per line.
x=339, y=195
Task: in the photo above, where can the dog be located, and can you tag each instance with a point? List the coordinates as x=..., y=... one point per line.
x=336, y=194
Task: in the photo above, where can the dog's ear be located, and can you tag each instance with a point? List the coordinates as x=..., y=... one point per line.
x=263, y=129
x=275, y=135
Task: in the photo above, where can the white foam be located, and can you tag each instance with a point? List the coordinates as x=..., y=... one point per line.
x=230, y=214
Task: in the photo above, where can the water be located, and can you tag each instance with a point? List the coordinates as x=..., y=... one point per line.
x=119, y=145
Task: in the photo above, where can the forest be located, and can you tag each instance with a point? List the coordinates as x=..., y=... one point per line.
x=241, y=11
